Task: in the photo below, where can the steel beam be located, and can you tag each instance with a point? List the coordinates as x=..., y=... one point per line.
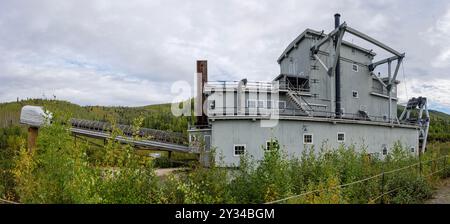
x=338, y=47
x=425, y=136
x=389, y=93
x=399, y=61
x=321, y=62
x=375, y=64
x=316, y=46
x=378, y=78
x=372, y=40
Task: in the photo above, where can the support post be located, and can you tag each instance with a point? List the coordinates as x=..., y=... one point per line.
x=32, y=136
x=382, y=189
x=420, y=163
x=389, y=89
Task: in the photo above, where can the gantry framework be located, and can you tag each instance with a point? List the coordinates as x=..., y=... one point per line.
x=335, y=38
x=411, y=115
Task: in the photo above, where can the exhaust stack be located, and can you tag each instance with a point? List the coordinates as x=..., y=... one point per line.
x=202, y=78
x=338, y=110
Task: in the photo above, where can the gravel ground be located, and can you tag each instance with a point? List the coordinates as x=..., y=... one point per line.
x=442, y=195
x=166, y=171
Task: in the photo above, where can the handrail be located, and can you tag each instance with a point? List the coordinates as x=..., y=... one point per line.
x=293, y=89
x=234, y=84
x=255, y=85
x=230, y=111
x=105, y=127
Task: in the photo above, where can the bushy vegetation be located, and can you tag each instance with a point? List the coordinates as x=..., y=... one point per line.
x=11, y=140
x=59, y=171
x=62, y=170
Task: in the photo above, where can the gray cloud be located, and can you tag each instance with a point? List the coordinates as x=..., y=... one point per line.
x=130, y=52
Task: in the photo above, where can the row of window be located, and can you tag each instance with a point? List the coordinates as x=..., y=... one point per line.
x=384, y=150
x=308, y=138
x=239, y=149
x=251, y=103
x=257, y=104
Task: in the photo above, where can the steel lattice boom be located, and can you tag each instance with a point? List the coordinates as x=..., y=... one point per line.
x=148, y=138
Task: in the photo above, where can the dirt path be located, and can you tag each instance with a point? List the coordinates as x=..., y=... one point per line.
x=166, y=171
x=442, y=195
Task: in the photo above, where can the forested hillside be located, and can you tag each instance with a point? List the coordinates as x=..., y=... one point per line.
x=439, y=125
x=155, y=116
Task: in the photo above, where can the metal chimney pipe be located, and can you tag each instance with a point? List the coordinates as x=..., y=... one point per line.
x=202, y=78
x=337, y=17
x=338, y=110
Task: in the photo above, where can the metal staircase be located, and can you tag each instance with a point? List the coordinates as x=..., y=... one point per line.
x=294, y=95
x=303, y=107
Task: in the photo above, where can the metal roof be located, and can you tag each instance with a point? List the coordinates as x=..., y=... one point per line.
x=300, y=37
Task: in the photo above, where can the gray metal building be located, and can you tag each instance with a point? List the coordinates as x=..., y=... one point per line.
x=327, y=94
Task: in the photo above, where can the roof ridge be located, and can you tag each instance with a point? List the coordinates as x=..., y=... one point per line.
x=312, y=31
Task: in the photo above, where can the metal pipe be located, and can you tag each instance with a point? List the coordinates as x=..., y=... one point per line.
x=389, y=89
x=241, y=96
x=337, y=68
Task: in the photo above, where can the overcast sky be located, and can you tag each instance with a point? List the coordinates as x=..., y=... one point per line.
x=131, y=52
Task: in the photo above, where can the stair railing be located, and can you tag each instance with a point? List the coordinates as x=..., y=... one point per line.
x=291, y=89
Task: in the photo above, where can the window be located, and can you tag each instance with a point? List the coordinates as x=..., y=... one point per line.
x=261, y=103
x=355, y=67
x=355, y=94
x=340, y=137
x=413, y=149
x=385, y=150
x=212, y=104
x=271, y=145
x=193, y=138
x=239, y=150
x=251, y=103
x=281, y=104
x=307, y=138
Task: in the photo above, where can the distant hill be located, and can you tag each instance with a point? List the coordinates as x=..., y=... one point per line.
x=439, y=125
x=155, y=116
x=160, y=116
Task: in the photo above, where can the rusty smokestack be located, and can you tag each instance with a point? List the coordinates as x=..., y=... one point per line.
x=202, y=78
